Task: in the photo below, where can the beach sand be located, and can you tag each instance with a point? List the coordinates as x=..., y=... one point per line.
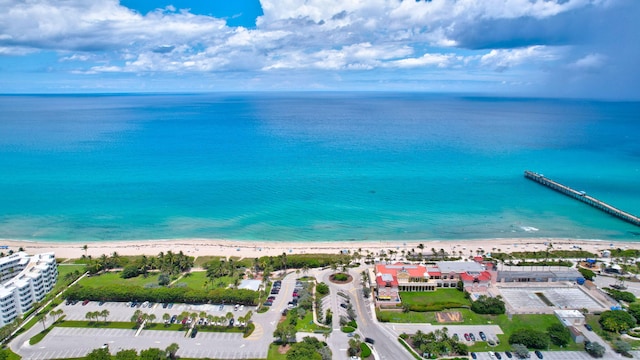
x=252, y=249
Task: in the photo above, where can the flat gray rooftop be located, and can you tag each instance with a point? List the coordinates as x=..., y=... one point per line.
x=521, y=298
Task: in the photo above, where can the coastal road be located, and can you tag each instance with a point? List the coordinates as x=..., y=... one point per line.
x=386, y=345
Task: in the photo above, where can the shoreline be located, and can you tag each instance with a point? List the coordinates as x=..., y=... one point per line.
x=252, y=249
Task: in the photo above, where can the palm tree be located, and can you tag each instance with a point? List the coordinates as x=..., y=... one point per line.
x=137, y=316
x=105, y=313
x=151, y=318
x=166, y=317
x=85, y=248
x=43, y=319
x=172, y=350
x=229, y=316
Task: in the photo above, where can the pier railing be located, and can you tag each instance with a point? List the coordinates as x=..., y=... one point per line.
x=582, y=196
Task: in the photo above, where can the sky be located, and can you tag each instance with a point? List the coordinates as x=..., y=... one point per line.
x=544, y=48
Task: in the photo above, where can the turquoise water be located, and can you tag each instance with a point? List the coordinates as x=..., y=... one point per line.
x=337, y=166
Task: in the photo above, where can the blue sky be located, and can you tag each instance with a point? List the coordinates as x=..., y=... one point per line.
x=556, y=48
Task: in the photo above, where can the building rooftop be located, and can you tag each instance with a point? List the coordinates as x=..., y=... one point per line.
x=459, y=266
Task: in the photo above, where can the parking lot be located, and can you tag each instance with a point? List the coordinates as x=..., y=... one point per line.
x=120, y=311
x=525, y=298
x=547, y=355
x=77, y=342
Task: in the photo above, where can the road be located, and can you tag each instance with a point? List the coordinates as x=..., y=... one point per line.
x=386, y=345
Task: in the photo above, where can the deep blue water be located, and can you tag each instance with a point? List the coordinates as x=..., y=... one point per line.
x=322, y=166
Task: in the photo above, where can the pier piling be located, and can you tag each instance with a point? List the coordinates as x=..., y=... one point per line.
x=582, y=196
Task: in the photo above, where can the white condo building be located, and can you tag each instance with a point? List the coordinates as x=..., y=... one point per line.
x=24, y=280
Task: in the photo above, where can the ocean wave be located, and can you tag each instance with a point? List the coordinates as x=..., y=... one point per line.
x=529, y=228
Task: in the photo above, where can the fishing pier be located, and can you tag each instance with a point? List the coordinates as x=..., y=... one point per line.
x=582, y=196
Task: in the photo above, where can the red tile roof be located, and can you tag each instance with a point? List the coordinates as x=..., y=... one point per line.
x=483, y=276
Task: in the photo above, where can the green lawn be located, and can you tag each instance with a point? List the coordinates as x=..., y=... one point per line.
x=197, y=280
x=99, y=324
x=115, y=279
x=539, y=322
x=307, y=324
x=273, y=353
x=440, y=296
x=202, y=260
x=434, y=300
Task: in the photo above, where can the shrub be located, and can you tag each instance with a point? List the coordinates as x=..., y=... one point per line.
x=616, y=320
x=533, y=339
x=621, y=346
x=595, y=349
x=559, y=334
x=130, y=271
x=365, y=351
x=341, y=277
x=164, y=280
x=322, y=288
x=347, y=329
x=587, y=274
x=488, y=305
x=621, y=295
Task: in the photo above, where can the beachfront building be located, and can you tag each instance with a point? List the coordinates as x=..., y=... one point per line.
x=25, y=280
x=508, y=273
x=391, y=279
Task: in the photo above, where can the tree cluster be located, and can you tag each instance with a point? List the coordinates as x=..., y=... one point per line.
x=634, y=310
x=616, y=320
x=437, y=343
x=621, y=295
x=559, y=334
x=586, y=273
x=309, y=348
x=595, y=349
x=169, y=263
x=488, y=305
x=129, y=354
x=530, y=338
x=302, y=261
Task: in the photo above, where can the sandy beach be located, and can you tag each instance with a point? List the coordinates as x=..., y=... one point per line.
x=252, y=249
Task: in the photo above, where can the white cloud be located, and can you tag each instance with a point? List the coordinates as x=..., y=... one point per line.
x=502, y=59
x=302, y=35
x=439, y=60
x=589, y=62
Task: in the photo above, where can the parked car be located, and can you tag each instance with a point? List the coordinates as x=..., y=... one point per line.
x=194, y=332
x=474, y=356
x=343, y=305
x=508, y=353
x=539, y=354
x=221, y=307
x=473, y=337
x=483, y=336
x=231, y=322
x=498, y=356
x=369, y=340
x=85, y=302
x=588, y=327
x=467, y=337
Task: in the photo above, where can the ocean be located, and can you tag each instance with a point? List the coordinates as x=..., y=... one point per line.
x=313, y=167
